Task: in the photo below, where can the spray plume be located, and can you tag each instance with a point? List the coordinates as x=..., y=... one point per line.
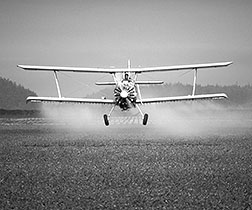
x=175, y=119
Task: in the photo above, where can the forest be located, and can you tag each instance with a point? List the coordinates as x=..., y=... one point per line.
x=237, y=95
x=13, y=96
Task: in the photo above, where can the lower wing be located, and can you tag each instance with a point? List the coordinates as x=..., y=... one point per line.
x=182, y=98
x=69, y=100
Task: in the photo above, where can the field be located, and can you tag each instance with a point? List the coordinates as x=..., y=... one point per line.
x=45, y=166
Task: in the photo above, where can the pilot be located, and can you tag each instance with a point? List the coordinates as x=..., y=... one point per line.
x=127, y=79
x=126, y=76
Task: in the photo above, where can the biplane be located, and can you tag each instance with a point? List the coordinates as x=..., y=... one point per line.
x=127, y=93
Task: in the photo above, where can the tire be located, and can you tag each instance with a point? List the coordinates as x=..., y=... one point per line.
x=145, y=119
x=106, y=121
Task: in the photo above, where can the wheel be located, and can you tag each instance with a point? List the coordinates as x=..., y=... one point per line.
x=106, y=121
x=145, y=119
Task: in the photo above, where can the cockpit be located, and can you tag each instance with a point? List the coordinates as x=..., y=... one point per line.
x=127, y=81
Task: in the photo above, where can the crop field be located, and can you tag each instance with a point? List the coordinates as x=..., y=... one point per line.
x=45, y=166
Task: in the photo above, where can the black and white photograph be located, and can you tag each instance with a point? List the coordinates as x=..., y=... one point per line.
x=134, y=104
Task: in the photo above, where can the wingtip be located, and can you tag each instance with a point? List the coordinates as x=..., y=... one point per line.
x=225, y=95
x=20, y=66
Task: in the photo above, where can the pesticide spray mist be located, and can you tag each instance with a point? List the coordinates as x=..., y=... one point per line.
x=200, y=118
x=174, y=119
x=74, y=117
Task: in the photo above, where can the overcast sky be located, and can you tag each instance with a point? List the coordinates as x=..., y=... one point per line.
x=108, y=33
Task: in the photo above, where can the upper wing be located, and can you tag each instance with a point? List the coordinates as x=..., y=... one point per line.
x=182, y=67
x=135, y=70
x=69, y=100
x=182, y=98
x=69, y=69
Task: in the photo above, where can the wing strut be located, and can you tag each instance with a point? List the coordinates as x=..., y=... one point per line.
x=57, y=83
x=139, y=93
x=194, y=81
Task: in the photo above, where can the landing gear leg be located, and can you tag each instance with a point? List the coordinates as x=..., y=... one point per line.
x=144, y=116
x=106, y=117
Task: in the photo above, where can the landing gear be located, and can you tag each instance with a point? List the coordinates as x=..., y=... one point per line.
x=144, y=116
x=145, y=119
x=106, y=120
x=106, y=117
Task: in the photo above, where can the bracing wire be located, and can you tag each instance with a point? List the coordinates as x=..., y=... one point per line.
x=178, y=76
x=83, y=84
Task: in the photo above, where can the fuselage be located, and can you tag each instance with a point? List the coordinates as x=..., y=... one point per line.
x=125, y=92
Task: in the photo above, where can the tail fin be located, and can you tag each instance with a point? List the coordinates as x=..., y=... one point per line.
x=129, y=64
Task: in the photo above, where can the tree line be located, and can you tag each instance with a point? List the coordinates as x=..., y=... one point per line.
x=237, y=95
x=13, y=96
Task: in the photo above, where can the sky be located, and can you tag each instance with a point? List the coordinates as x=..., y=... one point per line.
x=108, y=33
